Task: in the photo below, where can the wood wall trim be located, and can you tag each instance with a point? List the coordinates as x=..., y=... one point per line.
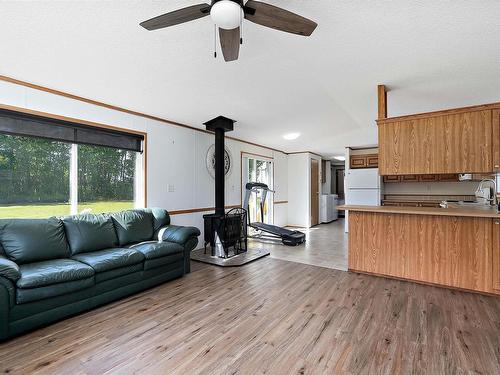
x=121, y=109
x=474, y=108
x=195, y=210
x=280, y=202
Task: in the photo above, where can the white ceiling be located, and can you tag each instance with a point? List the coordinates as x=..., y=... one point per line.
x=431, y=54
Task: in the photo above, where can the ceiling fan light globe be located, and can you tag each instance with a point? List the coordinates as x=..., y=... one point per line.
x=226, y=14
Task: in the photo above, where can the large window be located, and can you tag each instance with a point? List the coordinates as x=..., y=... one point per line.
x=106, y=178
x=41, y=177
x=34, y=177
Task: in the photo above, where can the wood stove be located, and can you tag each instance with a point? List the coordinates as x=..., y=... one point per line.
x=223, y=231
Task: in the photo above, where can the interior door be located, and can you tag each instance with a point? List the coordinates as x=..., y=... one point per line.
x=340, y=183
x=314, y=192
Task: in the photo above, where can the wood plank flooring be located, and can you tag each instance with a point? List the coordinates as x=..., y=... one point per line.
x=271, y=317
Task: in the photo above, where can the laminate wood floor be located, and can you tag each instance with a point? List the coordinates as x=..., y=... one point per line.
x=271, y=317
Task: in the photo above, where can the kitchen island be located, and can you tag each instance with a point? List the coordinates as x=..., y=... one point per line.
x=451, y=247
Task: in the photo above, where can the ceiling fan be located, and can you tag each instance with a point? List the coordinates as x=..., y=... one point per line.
x=228, y=16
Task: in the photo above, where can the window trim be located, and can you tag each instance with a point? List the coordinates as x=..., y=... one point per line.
x=143, y=155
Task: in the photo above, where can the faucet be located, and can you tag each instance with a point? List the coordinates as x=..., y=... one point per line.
x=480, y=193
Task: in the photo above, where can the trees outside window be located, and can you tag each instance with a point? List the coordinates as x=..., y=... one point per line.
x=36, y=178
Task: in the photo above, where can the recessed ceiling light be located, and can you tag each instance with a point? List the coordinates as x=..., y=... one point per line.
x=339, y=158
x=291, y=136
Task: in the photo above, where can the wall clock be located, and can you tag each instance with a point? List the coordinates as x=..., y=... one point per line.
x=210, y=161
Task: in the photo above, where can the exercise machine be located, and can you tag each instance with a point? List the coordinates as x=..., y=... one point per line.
x=288, y=237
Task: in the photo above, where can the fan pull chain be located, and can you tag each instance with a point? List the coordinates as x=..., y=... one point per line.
x=241, y=30
x=215, y=41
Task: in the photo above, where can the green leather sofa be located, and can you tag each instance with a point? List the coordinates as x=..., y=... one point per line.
x=57, y=267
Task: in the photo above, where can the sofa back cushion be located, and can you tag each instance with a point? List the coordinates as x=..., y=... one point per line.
x=133, y=226
x=90, y=233
x=161, y=218
x=33, y=240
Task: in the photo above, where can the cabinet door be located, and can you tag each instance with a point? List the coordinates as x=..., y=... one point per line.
x=410, y=178
x=392, y=178
x=496, y=254
x=496, y=141
x=428, y=177
x=358, y=161
x=437, y=144
x=448, y=177
x=372, y=161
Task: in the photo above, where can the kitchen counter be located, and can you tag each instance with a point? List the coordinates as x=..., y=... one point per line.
x=457, y=247
x=450, y=211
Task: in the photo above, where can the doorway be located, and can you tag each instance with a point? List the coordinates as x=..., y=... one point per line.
x=314, y=192
x=259, y=170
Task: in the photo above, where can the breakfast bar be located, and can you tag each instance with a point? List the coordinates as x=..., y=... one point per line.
x=457, y=247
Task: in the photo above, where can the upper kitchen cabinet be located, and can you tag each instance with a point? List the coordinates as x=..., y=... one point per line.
x=445, y=142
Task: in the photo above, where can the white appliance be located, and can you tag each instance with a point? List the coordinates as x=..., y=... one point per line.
x=363, y=187
x=328, y=208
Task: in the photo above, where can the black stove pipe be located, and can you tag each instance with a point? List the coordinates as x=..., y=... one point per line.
x=219, y=172
x=219, y=126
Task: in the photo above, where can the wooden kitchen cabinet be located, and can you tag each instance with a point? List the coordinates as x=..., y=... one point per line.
x=392, y=178
x=364, y=161
x=446, y=142
x=496, y=140
x=428, y=178
x=409, y=178
x=496, y=254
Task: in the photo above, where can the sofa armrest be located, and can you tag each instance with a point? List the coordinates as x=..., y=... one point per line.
x=177, y=234
x=9, y=269
x=187, y=237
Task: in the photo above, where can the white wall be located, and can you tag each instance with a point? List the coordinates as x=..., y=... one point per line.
x=299, y=188
x=176, y=155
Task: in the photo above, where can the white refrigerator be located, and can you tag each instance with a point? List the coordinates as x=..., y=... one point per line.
x=363, y=187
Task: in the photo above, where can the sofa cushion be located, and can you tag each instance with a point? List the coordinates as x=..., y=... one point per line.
x=49, y=291
x=133, y=226
x=33, y=240
x=50, y=272
x=105, y=260
x=89, y=233
x=152, y=250
x=161, y=218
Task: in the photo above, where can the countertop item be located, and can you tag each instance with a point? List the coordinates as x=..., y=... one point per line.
x=450, y=211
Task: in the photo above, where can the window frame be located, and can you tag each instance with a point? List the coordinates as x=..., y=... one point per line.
x=140, y=188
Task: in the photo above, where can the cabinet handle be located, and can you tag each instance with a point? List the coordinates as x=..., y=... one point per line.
x=497, y=222
x=497, y=165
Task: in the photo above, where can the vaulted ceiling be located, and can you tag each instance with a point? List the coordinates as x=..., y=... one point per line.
x=431, y=54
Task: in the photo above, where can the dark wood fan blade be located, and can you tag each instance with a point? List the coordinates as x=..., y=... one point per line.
x=278, y=18
x=176, y=17
x=230, y=43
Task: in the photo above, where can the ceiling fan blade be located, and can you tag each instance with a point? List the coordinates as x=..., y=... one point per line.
x=278, y=18
x=177, y=16
x=230, y=43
